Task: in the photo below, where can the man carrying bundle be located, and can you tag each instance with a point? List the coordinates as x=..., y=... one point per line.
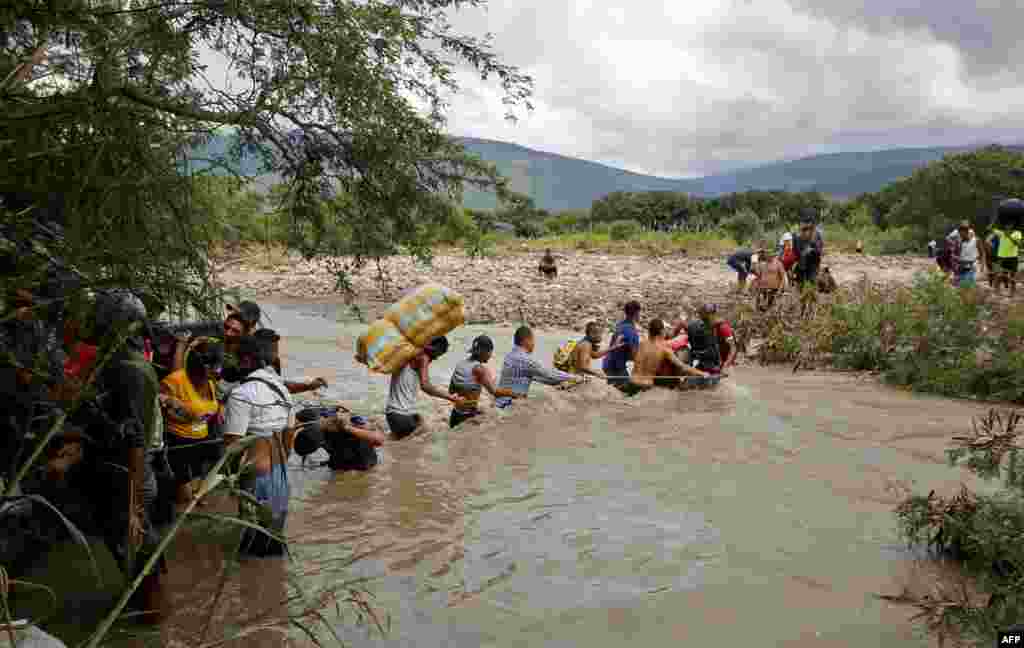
x=405, y=387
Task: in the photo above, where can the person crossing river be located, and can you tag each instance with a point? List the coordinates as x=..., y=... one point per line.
x=471, y=377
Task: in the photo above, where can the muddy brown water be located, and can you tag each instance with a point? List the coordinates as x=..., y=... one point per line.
x=759, y=513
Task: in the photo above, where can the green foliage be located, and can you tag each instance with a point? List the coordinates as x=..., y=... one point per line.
x=963, y=186
x=980, y=532
x=624, y=230
x=744, y=226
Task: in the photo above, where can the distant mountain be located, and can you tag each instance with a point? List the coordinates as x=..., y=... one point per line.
x=557, y=182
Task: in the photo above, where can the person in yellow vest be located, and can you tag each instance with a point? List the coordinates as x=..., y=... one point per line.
x=189, y=397
x=1005, y=242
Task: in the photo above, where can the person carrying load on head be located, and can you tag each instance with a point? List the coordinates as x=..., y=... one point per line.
x=575, y=356
x=260, y=406
x=743, y=261
x=405, y=387
x=520, y=369
x=1005, y=243
x=471, y=377
x=962, y=248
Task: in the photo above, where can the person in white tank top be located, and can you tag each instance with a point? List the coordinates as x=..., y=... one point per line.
x=405, y=386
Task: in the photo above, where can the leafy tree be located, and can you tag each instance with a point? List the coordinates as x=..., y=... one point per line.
x=105, y=100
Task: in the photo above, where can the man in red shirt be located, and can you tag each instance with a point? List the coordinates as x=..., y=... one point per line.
x=712, y=342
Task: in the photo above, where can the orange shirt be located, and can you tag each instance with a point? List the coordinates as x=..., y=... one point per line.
x=197, y=404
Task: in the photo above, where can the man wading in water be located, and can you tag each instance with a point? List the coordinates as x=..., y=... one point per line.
x=262, y=407
x=656, y=364
x=471, y=377
x=586, y=351
x=626, y=341
x=520, y=369
x=406, y=384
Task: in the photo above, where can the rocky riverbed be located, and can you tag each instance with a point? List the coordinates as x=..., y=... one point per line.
x=508, y=289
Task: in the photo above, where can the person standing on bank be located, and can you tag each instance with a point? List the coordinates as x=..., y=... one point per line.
x=963, y=255
x=262, y=407
x=405, y=387
x=626, y=339
x=1005, y=242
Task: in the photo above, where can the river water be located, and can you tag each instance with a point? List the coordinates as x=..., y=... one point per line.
x=759, y=513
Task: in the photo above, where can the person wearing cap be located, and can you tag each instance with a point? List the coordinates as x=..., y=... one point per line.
x=190, y=405
x=963, y=255
x=1005, y=243
x=471, y=377
x=261, y=407
x=405, y=387
x=626, y=340
x=744, y=262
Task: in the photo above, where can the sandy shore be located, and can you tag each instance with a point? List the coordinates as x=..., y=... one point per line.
x=508, y=289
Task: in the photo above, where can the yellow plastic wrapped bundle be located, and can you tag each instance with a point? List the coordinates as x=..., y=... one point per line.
x=408, y=326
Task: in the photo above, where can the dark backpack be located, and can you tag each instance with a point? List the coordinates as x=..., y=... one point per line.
x=703, y=344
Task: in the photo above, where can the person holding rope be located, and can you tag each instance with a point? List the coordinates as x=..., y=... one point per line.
x=190, y=405
x=656, y=364
x=261, y=406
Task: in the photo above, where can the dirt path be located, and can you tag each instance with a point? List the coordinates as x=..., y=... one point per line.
x=508, y=289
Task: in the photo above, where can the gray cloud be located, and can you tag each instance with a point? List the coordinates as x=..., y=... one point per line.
x=987, y=34
x=698, y=87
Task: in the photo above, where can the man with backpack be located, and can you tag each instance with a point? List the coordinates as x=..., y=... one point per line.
x=1005, y=242
x=712, y=342
x=575, y=356
x=261, y=406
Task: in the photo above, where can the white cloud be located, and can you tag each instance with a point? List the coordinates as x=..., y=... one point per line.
x=685, y=88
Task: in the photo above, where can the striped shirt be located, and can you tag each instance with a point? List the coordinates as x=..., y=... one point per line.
x=520, y=369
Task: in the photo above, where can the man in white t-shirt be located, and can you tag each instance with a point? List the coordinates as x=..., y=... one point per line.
x=262, y=407
x=964, y=256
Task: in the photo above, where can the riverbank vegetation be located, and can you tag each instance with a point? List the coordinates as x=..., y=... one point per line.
x=931, y=337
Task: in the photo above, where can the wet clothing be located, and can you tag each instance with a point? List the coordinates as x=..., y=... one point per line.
x=519, y=371
x=403, y=391
x=402, y=425
x=261, y=406
x=709, y=345
x=614, y=364
x=202, y=405
x=464, y=384
x=271, y=490
x=349, y=452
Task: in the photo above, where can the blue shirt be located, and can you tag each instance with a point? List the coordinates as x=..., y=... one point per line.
x=614, y=363
x=520, y=369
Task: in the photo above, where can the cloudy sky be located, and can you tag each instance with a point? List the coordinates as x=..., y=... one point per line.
x=686, y=88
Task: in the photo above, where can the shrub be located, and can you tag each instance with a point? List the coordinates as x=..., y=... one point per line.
x=980, y=532
x=625, y=230
x=744, y=226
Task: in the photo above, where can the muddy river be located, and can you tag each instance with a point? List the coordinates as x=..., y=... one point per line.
x=760, y=513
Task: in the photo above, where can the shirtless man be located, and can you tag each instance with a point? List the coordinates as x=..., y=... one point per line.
x=589, y=349
x=656, y=364
x=771, y=278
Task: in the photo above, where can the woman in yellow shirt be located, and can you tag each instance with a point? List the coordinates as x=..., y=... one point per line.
x=190, y=403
